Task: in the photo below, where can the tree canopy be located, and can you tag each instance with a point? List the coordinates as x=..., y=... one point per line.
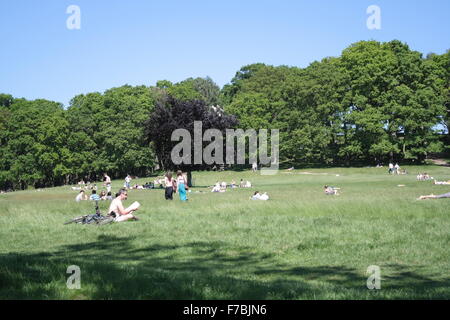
x=376, y=102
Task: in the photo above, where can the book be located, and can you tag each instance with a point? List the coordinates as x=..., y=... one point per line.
x=134, y=206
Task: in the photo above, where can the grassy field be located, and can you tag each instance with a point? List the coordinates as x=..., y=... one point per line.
x=300, y=244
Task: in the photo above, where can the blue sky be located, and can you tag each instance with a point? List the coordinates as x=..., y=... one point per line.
x=141, y=41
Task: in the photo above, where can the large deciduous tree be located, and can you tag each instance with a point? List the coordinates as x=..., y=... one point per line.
x=173, y=114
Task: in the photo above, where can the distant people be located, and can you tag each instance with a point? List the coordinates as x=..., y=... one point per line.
x=331, y=190
x=109, y=196
x=216, y=188
x=103, y=195
x=254, y=166
x=397, y=169
x=127, y=183
x=245, y=184
x=94, y=187
x=423, y=177
x=290, y=169
x=258, y=196
x=432, y=196
x=107, y=182
x=233, y=184
x=223, y=185
x=441, y=182
x=81, y=196
x=181, y=185
x=391, y=168
x=94, y=196
x=169, y=182
x=117, y=210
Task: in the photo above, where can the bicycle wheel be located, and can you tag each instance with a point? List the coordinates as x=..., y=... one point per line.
x=75, y=220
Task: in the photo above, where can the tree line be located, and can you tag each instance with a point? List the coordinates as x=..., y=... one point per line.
x=374, y=103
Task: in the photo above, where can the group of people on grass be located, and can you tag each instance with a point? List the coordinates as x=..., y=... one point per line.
x=395, y=169
x=179, y=185
x=103, y=196
x=176, y=184
x=222, y=186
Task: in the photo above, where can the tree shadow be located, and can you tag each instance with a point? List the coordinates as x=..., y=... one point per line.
x=118, y=268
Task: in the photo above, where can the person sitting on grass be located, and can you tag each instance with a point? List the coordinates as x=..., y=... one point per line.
x=245, y=184
x=109, y=196
x=81, y=196
x=117, y=210
x=103, y=195
x=331, y=190
x=94, y=196
x=217, y=188
x=432, y=196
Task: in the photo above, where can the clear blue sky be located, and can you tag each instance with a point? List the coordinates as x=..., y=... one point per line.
x=141, y=41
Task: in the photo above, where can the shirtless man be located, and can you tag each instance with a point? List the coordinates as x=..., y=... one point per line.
x=117, y=210
x=107, y=182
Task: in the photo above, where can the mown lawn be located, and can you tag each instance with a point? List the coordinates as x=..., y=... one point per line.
x=300, y=244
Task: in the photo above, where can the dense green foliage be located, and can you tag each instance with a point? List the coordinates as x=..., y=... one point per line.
x=376, y=102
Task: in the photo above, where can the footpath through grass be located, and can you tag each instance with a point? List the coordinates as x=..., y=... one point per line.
x=300, y=244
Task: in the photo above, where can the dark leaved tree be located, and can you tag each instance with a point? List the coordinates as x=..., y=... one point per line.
x=172, y=114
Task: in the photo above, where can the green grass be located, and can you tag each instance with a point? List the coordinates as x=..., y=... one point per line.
x=300, y=244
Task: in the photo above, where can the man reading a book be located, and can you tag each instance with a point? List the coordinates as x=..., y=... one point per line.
x=117, y=210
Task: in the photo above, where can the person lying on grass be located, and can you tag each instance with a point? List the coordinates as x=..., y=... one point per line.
x=432, y=196
x=258, y=196
x=331, y=190
x=117, y=210
x=442, y=182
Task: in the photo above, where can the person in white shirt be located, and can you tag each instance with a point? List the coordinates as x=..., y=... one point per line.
x=117, y=210
x=258, y=196
x=81, y=196
x=391, y=168
x=128, y=182
x=107, y=183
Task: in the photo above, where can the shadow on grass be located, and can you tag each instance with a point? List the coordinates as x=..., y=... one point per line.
x=115, y=268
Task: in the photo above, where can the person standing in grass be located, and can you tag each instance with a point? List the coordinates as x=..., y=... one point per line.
x=391, y=168
x=169, y=183
x=181, y=186
x=128, y=181
x=107, y=183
